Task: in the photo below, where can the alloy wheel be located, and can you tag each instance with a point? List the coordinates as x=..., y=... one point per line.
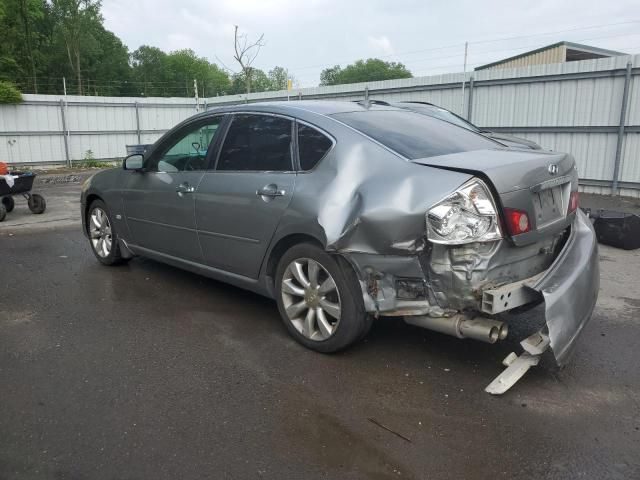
x=100, y=232
x=311, y=299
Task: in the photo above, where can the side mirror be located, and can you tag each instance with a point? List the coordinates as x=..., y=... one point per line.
x=133, y=162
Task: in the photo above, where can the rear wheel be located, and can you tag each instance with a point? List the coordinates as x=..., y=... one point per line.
x=102, y=235
x=9, y=203
x=320, y=303
x=37, y=203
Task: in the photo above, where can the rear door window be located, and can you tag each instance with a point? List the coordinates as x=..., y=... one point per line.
x=313, y=145
x=257, y=143
x=414, y=135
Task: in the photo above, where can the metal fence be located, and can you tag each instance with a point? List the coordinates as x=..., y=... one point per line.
x=589, y=108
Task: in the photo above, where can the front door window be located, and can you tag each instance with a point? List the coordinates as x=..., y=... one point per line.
x=189, y=151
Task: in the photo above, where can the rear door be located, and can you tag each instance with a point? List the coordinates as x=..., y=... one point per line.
x=159, y=202
x=239, y=204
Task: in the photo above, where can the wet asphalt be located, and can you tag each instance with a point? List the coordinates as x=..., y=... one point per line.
x=148, y=372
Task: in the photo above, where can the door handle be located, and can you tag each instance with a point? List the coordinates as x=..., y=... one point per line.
x=270, y=191
x=184, y=188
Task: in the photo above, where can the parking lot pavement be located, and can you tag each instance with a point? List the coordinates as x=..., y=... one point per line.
x=63, y=208
x=145, y=371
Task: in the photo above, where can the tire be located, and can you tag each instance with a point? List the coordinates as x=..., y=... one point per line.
x=9, y=203
x=322, y=331
x=37, y=204
x=3, y=212
x=103, y=237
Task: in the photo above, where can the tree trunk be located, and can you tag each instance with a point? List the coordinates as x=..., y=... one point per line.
x=27, y=36
x=78, y=73
x=247, y=79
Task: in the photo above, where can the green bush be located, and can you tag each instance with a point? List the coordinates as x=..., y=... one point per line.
x=9, y=93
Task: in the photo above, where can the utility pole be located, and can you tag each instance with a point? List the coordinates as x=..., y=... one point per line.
x=65, y=115
x=464, y=77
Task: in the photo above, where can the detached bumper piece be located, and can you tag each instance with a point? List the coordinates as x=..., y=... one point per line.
x=534, y=346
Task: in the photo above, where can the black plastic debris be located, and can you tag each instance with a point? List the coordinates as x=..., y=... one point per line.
x=618, y=229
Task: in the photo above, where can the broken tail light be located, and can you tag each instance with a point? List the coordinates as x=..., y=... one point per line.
x=467, y=215
x=573, y=202
x=517, y=221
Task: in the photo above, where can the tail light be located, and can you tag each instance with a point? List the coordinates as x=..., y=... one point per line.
x=517, y=221
x=467, y=215
x=573, y=202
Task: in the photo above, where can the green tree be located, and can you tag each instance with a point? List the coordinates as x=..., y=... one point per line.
x=329, y=76
x=75, y=23
x=149, y=71
x=279, y=78
x=20, y=40
x=106, y=65
x=370, y=70
x=9, y=93
x=183, y=66
x=260, y=82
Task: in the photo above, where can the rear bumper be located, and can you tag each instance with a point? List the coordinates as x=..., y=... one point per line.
x=570, y=288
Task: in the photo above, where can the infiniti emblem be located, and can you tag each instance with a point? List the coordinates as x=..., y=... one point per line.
x=553, y=169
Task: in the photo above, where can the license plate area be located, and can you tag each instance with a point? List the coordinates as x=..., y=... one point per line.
x=549, y=204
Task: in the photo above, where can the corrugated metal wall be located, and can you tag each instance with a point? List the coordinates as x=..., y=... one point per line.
x=572, y=107
x=32, y=132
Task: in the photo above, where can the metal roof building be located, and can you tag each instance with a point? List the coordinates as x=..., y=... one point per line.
x=560, y=52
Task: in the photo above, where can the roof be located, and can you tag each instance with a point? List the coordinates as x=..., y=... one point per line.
x=322, y=107
x=579, y=48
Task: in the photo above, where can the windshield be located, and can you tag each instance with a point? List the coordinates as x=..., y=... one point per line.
x=414, y=135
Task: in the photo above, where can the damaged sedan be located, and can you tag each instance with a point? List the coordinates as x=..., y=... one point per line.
x=344, y=212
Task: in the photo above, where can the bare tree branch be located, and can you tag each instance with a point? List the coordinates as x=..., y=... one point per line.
x=246, y=53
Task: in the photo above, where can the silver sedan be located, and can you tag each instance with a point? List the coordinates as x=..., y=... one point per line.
x=344, y=212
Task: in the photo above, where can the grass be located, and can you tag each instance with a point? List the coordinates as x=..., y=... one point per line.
x=94, y=164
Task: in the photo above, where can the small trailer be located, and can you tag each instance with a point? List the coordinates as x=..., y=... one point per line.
x=19, y=183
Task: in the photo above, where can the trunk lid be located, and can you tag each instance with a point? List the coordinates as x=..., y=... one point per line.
x=536, y=182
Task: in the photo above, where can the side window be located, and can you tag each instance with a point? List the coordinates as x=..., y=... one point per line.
x=312, y=146
x=190, y=151
x=257, y=142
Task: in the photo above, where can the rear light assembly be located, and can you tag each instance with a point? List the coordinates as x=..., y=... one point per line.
x=467, y=215
x=517, y=221
x=573, y=202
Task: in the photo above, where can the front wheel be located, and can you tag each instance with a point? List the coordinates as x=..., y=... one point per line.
x=102, y=235
x=320, y=303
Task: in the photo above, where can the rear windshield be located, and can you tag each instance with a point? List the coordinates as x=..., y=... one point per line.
x=446, y=115
x=414, y=135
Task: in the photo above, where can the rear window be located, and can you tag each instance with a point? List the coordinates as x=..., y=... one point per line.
x=414, y=135
x=445, y=115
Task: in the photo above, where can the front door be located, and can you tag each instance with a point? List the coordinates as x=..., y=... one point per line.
x=239, y=204
x=159, y=202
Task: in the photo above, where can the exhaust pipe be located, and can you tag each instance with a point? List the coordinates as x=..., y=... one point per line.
x=478, y=328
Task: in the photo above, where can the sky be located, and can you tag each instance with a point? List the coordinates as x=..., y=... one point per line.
x=306, y=36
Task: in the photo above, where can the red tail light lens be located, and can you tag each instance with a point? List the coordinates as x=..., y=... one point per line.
x=517, y=221
x=573, y=202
